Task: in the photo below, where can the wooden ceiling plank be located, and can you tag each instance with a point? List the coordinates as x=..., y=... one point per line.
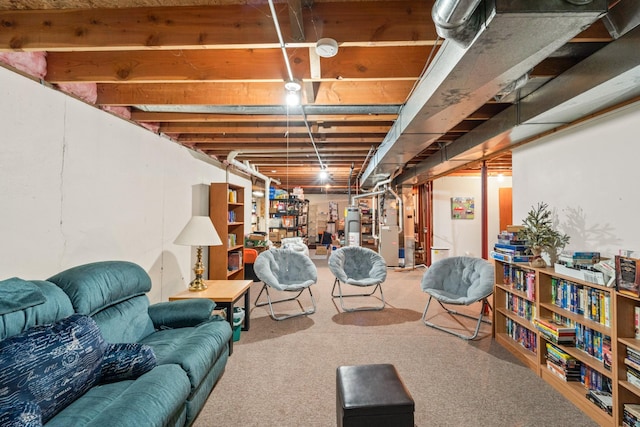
x=197, y=27
x=264, y=128
x=206, y=117
x=217, y=66
x=334, y=93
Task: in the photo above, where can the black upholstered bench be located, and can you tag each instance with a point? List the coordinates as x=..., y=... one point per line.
x=372, y=396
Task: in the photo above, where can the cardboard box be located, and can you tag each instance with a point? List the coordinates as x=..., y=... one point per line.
x=259, y=237
x=274, y=236
x=321, y=250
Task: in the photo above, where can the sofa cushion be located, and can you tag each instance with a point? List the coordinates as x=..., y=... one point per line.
x=21, y=414
x=195, y=349
x=155, y=399
x=17, y=294
x=92, y=287
x=127, y=321
x=56, y=307
x=126, y=362
x=51, y=365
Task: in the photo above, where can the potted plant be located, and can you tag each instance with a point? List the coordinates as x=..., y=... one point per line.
x=541, y=236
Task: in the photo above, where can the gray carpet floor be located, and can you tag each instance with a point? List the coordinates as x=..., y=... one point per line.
x=283, y=373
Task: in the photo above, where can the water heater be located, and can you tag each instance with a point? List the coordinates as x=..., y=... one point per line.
x=352, y=227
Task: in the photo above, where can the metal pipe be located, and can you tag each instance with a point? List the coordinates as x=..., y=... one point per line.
x=283, y=48
x=450, y=14
x=231, y=159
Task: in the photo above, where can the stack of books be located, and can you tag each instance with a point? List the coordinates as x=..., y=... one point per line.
x=556, y=332
x=510, y=252
x=601, y=398
x=562, y=364
x=631, y=415
x=633, y=366
x=579, y=259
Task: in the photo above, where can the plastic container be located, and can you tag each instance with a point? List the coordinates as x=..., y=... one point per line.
x=439, y=253
x=238, y=318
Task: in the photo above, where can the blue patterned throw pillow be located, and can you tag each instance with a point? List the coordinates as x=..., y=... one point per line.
x=21, y=414
x=126, y=362
x=51, y=365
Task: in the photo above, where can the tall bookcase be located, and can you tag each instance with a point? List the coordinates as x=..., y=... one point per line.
x=226, y=210
x=523, y=294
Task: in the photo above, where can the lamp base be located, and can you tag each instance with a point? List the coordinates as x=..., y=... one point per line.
x=197, y=285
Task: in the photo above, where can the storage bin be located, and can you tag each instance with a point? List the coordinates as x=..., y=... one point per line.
x=238, y=318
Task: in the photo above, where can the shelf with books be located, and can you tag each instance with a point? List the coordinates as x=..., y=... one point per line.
x=226, y=210
x=574, y=318
x=588, y=309
x=514, y=311
x=627, y=346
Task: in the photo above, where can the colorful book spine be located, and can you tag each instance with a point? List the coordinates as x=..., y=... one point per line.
x=636, y=322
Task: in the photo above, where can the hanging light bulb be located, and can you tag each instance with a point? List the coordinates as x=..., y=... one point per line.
x=293, y=98
x=323, y=174
x=293, y=92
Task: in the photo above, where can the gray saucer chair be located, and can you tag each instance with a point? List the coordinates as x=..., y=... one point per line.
x=285, y=270
x=357, y=266
x=459, y=281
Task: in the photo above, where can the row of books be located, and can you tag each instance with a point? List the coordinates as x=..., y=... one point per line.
x=231, y=240
x=522, y=280
x=592, y=342
x=632, y=362
x=232, y=196
x=525, y=337
x=631, y=415
x=231, y=216
x=520, y=306
x=594, y=304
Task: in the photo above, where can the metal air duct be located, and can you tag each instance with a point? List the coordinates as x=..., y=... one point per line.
x=513, y=37
x=608, y=77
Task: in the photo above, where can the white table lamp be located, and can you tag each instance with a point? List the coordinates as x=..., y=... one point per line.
x=199, y=232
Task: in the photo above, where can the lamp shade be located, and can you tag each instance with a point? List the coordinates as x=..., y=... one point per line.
x=199, y=231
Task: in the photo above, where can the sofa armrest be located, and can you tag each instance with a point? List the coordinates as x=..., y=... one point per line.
x=181, y=313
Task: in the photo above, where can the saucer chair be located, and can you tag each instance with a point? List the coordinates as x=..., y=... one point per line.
x=361, y=267
x=285, y=270
x=295, y=243
x=459, y=281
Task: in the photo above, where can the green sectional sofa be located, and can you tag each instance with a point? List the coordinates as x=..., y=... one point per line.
x=85, y=348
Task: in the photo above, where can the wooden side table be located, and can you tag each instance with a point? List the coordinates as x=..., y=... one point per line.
x=225, y=293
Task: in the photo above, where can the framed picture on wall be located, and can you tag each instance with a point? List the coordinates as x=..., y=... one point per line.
x=462, y=208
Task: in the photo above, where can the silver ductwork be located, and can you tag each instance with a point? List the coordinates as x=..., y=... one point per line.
x=607, y=78
x=513, y=37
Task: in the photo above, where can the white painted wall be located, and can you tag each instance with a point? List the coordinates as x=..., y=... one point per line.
x=464, y=236
x=589, y=176
x=79, y=185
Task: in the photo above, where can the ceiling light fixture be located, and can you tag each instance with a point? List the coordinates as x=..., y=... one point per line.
x=327, y=47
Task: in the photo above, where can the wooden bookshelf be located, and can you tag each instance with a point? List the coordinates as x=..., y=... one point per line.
x=226, y=210
x=511, y=323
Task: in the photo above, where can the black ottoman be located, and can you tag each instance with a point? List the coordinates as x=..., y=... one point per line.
x=372, y=396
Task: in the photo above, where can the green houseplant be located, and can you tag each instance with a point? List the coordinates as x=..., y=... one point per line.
x=540, y=234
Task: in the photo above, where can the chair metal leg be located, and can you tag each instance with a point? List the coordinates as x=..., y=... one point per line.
x=271, y=302
x=483, y=308
x=341, y=297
